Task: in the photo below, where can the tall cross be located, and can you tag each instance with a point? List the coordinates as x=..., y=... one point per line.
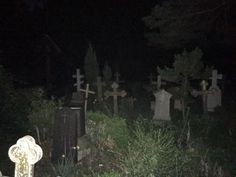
x=204, y=92
x=214, y=78
x=87, y=92
x=78, y=78
x=158, y=82
x=99, y=85
x=115, y=93
x=25, y=153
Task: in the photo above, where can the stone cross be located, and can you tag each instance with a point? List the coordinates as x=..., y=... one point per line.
x=158, y=82
x=87, y=92
x=117, y=78
x=78, y=78
x=214, y=78
x=115, y=93
x=162, y=105
x=25, y=153
x=99, y=85
x=204, y=93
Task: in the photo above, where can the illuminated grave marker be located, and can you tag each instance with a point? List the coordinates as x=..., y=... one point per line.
x=115, y=93
x=25, y=153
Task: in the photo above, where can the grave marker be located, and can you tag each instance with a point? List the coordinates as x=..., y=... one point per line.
x=78, y=78
x=115, y=93
x=87, y=92
x=214, y=97
x=162, y=105
x=99, y=85
x=158, y=82
x=25, y=153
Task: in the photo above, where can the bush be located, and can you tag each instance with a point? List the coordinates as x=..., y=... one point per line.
x=107, y=132
x=154, y=154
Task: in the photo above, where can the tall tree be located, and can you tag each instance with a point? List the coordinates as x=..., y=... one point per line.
x=90, y=65
x=178, y=23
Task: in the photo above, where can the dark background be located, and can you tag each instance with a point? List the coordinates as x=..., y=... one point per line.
x=115, y=29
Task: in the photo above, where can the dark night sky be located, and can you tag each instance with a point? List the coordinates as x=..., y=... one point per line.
x=114, y=27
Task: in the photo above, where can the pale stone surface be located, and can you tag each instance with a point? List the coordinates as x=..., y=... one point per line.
x=87, y=92
x=178, y=105
x=25, y=153
x=162, y=105
x=78, y=78
x=115, y=93
x=158, y=82
x=214, y=98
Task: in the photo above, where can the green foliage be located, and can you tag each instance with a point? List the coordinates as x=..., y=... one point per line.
x=109, y=174
x=176, y=24
x=42, y=111
x=65, y=168
x=91, y=67
x=14, y=107
x=153, y=153
x=108, y=132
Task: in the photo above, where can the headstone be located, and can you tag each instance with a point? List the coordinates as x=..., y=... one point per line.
x=87, y=92
x=99, y=85
x=78, y=78
x=162, y=105
x=204, y=93
x=178, y=105
x=115, y=93
x=214, y=98
x=68, y=127
x=25, y=153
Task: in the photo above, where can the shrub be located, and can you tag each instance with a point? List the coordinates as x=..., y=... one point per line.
x=154, y=154
x=107, y=132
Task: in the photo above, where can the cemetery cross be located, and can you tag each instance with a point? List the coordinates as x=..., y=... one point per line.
x=25, y=153
x=115, y=95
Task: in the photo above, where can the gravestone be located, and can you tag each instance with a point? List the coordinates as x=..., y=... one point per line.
x=162, y=105
x=78, y=78
x=68, y=127
x=87, y=92
x=25, y=153
x=214, y=98
x=178, y=105
x=99, y=85
x=204, y=93
x=158, y=82
x=115, y=93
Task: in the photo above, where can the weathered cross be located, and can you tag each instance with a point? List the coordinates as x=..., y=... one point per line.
x=87, y=92
x=25, y=153
x=158, y=82
x=214, y=78
x=99, y=85
x=78, y=78
x=115, y=95
x=204, y=92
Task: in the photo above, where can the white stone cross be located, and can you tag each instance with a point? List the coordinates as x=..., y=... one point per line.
x=99, y=85
x=115, y=93
x=162, y=105
x=214, y=78
x=25, y=153
x=78, y=78
x=87, y=92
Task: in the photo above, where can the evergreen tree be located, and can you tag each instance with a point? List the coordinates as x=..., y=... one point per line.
x=90, y=65
x=187, y=66
x=176, y=24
